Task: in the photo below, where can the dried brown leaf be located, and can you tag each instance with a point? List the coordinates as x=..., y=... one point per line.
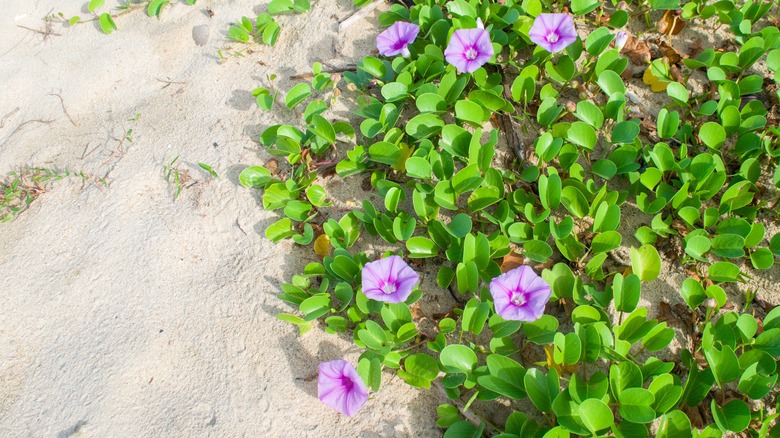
x=671, y=23
x=511, y=261
x=636, y=50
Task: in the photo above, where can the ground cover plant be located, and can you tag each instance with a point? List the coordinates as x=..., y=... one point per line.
x=501, y=154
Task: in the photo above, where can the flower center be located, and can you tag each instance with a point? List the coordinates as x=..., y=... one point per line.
x=518, y=298
x=552, y=38
x=400, y=44
x=389, y=288
x=346, y=383
x=471, y=54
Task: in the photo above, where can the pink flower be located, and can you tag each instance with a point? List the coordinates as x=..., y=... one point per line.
x=390, y=280
x=396, y=38
x=553, y=32
x=340, y=387
x=520, y=294
x=469, y=49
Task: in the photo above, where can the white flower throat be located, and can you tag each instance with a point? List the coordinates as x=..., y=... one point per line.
x=471, y=54
x=518, y=299
x=389, y=288
x=552, y=38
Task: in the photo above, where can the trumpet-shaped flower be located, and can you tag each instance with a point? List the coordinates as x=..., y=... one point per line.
x=396, y=38
x=553, y=32
x=469, y=49
x=390, y=280
x=340, y=387
x=520, y=294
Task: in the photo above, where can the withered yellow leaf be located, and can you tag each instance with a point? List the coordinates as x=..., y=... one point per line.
x=322, y=245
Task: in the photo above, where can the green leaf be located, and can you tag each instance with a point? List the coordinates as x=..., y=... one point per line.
x=755, y=384
x=254, y=177
x=322, y=128
x=769, y=341
x=464, y=429
x=297, y=94
x=625, y=132
x=505, y=377
x=635, y=405
x=582, y=134
x=475, y=315
x=723, y=362
x=582, y=7
x=674, y=424
x=419, y=370
x=733, y=416
x=596, y=415
x=598, y=40
x=712, y=135
x=279, y=230
x=424, y=125
x=645, y=262
x=448, y=415
x=678, y=92
x=315, y=306
x=458, y=358
x=542, y=389
x=155, y=7
x=94, y=5
x=421, y=247
x=106, y=23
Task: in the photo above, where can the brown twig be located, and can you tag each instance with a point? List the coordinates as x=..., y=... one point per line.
x=62, y=102
x=168, y=83
x=335, y=70
x=45, y=33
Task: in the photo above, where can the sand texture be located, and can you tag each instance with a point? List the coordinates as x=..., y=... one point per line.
x=124, y=312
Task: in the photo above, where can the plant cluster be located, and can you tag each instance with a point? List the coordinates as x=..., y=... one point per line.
x=18, y=189
x=538, y=226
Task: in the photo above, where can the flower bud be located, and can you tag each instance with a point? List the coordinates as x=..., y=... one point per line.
x=620, y=40
x=711, y=303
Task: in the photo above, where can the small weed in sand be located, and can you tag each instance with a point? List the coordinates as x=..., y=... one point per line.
x=18, y=189
x=181, y=178
x=105, y=20
x=178, y=177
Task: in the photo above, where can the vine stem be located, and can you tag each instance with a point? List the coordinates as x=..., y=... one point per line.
x=471, y=416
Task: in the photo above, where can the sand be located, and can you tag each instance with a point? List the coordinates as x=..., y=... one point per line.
x=124, y=312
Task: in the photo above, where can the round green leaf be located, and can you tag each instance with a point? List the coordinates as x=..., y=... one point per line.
x=596, y=415
x=458, y=358
x=733, y=416
x=645, y=262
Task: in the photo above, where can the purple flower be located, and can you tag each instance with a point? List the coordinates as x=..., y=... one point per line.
x=520, y=294
x=390, y=280
x=340, y=387
x=469, y=49
x=396, y=37
x=553, y=32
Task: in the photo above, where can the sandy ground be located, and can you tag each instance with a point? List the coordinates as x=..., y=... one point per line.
x=122, y=311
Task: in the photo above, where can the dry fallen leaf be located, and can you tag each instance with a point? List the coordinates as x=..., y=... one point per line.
x=673, y=55
x=322, y=245
x=511, y=261
x=671, y=23
x=636, y=50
